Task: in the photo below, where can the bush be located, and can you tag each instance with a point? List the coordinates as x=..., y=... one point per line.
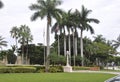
x=24, y=69
x=55, y=69
x=29, y=69
x=17, y=69
x=40, y=69
x=5, y=70
x=81, y=68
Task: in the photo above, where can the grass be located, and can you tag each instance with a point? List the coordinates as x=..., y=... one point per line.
x=55, y=77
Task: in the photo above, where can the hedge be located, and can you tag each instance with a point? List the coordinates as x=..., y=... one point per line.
x=17, y=69
x=29, y=69
x=86, y=68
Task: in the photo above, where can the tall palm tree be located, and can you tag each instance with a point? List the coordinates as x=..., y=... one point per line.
x=25, y=37
x=1, y=4
x=67, y=17
x=2, y=42
x=46, y=8
x=56, y=30
x=15, y=34
x=60, y=26
x=84, y=24
x=116, y=42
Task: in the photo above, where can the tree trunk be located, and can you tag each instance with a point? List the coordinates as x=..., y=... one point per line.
x=58, y=46
x=27, y=55
x=48, y=48
x=44, y=55
x=81, y=46
x=76, y=52
x=69, y=47
x=16, y=50
x=64, y=45
x=74, y=47
x=23, y=52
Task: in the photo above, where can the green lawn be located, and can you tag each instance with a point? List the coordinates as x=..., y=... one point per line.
x=55, y=77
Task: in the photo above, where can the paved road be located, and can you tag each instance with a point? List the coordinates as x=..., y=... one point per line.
x=114, y=79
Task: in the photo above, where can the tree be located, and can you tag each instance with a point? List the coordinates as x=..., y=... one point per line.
x=25, y=37
x=1, y=4
x=2, y=42
x=68, y=23
x=116, y=42
x=15, y=34
x=84, y=24
x=46, y=8
x=60, y=26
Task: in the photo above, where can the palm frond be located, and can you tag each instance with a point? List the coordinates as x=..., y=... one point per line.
x=93, y=20
x=35, y=16
x=1, y=4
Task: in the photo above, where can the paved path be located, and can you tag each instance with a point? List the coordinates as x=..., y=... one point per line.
x=88, y=71
x=114, y=79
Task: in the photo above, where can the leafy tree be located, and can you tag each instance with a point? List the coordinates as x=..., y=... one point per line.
x=46, y=8
x=103, y=51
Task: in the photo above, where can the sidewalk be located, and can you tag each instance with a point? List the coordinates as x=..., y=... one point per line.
x=88, y=71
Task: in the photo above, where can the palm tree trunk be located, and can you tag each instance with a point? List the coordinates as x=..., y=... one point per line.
x=76, y=46
x=27, y=54
x=69, y=48
x=58, y=46
x=23, y=52
x=81, y=48
x=16, y=52
x=48, y=48
x=64, y=44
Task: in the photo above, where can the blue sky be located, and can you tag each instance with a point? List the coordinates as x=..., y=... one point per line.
x=17, y=13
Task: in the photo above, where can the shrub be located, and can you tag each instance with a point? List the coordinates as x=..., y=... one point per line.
x=5, y=70
x=40, y=69
x=81, y=68
x=23, y=69
x=17, y=69
x=55, y=69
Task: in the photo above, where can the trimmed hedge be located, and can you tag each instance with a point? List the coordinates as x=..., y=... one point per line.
x=17, y=69
x=80, y=68
x=29, y=69
x=53, y=69
x=86, y=68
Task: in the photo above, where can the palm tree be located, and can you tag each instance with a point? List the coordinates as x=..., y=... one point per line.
x=2, y=42
x=60, y=26
x=25, y=37
x=46, y=8
x=67, y=17
x=15, y=34
x=1, y=4
x=56, y=30
x=99, y=38
x=84, y=24
x=116, y=42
